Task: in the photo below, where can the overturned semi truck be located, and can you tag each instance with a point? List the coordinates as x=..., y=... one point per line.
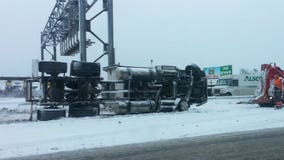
x=129, y=90
x=83, y=92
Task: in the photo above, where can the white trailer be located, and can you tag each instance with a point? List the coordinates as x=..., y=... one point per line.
x=237, y=85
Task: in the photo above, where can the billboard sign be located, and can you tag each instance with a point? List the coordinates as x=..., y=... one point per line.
x=219, y=72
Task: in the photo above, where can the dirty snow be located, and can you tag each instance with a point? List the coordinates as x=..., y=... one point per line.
x=217, y=116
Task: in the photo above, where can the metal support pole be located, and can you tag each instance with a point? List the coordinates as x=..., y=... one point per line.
x=41, y=48
x=111, y=55
x=54, y=56
x=42, y=58
x=82, y=30
x=42, y=53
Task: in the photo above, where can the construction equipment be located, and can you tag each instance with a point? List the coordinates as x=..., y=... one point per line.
x=266, y=90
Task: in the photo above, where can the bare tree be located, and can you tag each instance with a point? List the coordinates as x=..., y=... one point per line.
x=248, y=71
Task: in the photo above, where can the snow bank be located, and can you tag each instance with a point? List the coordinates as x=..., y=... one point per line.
x=217, y=116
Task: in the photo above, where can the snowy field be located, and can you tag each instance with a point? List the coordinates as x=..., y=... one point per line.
x=19, y=137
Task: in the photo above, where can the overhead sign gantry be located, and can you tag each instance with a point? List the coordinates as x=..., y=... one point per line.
x=68, y=26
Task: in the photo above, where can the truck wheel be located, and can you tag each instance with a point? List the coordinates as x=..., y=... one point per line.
x=86, y=111
x=85, y=69
x=228, y=94
x=196, y=71
x=47, y=114
x=52, y=67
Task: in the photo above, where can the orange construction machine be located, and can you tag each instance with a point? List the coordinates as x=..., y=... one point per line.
x=269, y=94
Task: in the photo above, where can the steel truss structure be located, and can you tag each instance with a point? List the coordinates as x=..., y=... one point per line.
x=67, y=27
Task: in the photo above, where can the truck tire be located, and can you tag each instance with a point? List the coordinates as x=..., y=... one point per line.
x=52, y=67
x=85, y=69
x=86, y=111
x=228, y=94
x=47, y=114
x=196, y=71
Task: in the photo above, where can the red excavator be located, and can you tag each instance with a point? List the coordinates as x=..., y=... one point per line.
x=266, y=89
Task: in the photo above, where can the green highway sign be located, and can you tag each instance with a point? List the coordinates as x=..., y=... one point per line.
x=226, y=70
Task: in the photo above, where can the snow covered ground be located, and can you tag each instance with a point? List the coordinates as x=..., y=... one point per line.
x=217, y=116
x=13, y=110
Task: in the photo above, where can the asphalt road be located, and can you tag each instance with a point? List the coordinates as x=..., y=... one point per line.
x=255, y=145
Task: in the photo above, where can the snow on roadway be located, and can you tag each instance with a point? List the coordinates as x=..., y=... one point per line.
x=217, y=116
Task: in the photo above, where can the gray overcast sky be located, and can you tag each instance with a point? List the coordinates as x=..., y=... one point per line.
x=244, y=33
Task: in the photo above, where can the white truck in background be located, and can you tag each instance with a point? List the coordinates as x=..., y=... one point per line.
x=237, y=85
